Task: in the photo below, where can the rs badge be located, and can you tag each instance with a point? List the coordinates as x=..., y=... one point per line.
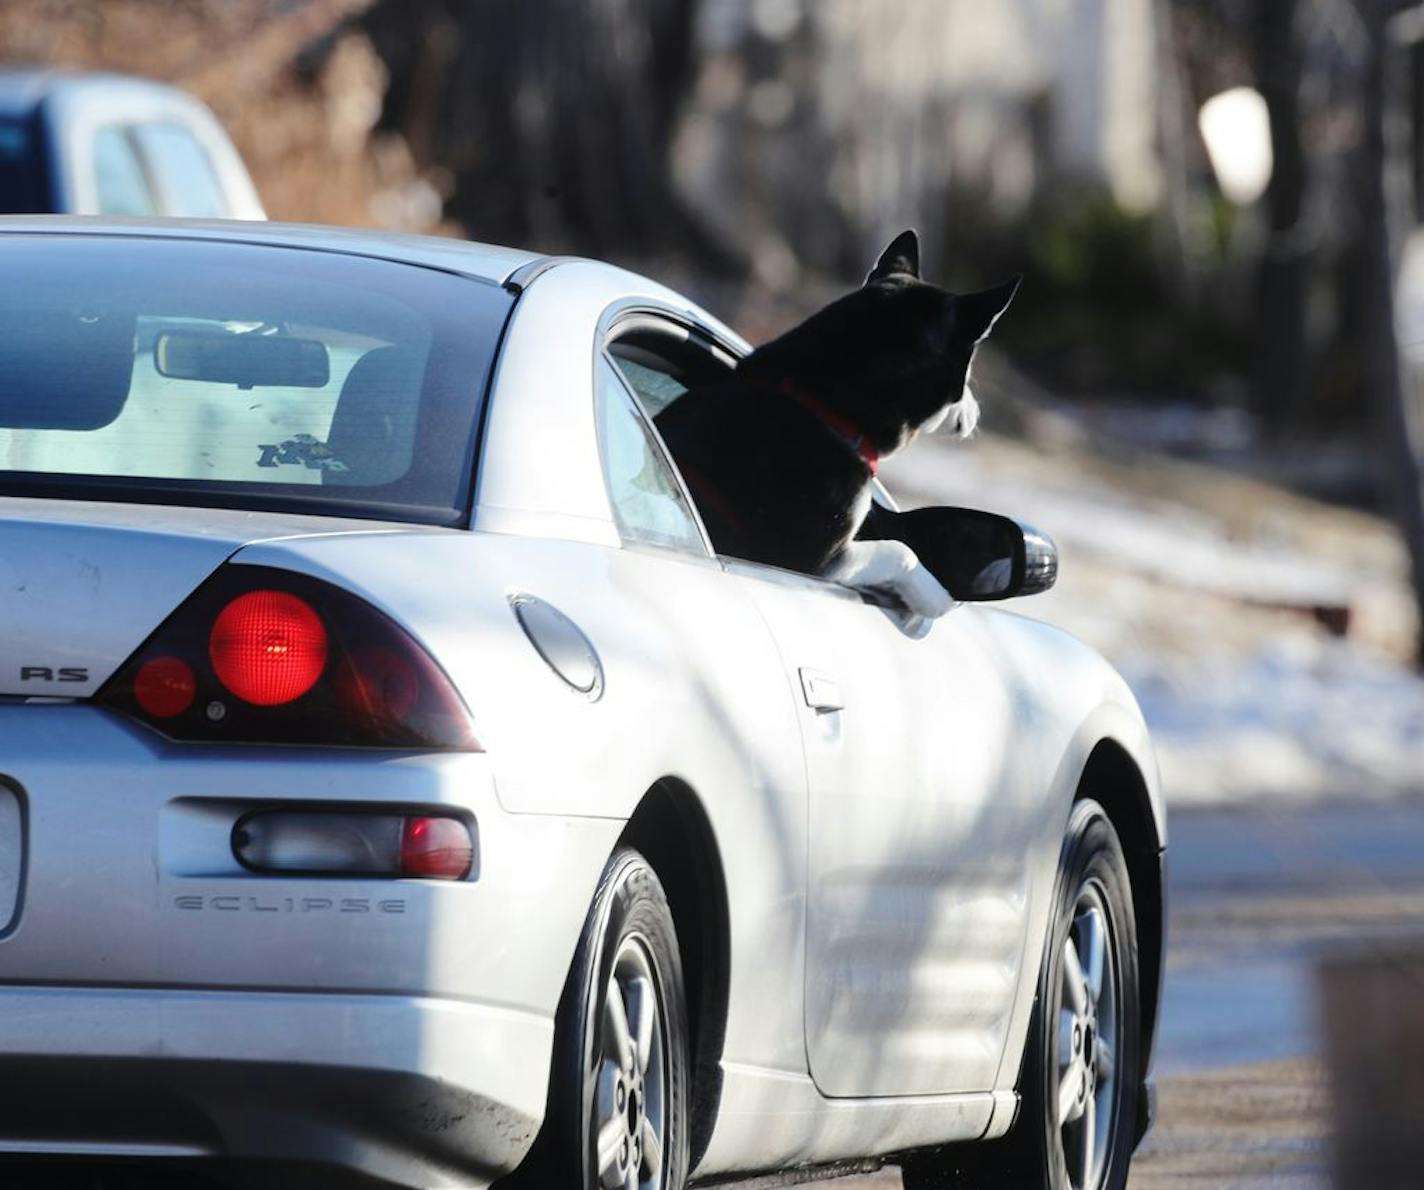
x=43, y=673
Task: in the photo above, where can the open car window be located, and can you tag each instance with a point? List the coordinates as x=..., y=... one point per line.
x=662, y=366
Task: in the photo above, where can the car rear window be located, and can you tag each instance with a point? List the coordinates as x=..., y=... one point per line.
x=24, y=183
x=241, y=375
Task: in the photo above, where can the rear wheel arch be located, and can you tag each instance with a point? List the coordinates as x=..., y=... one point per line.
x=1112, y=778
x=672, y=831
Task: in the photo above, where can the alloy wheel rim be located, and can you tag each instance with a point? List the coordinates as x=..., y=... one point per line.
x=1088, y=1049
x=628, y=1129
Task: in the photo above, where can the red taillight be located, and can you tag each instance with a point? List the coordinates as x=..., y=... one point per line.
x=165, y=686
x=436, y=848
x=257, y=655
x=268, y=647
x=380, y=682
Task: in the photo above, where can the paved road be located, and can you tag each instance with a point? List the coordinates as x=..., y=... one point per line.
x=1255, y=899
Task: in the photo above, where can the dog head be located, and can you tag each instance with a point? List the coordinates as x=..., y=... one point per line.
x=895, y=354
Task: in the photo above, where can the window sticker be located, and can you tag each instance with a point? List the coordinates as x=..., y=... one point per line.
x=303, y=450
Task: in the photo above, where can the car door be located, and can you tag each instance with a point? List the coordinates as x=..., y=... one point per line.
x=917, y=893
x=917, y=887
x=710, y=686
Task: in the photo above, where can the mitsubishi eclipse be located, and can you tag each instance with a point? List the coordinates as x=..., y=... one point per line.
x=397, y=789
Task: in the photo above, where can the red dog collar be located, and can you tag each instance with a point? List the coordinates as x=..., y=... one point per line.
x=842, y=426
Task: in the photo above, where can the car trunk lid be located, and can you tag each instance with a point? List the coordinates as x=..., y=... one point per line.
x=83, y=585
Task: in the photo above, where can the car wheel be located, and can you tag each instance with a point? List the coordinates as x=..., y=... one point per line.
x=617, y=1116
x=1081, y=1075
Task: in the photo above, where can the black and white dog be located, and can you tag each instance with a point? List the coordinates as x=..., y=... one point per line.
x=780, y=456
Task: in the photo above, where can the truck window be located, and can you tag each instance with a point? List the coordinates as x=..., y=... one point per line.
x=118, y=176
x=185, y=176
x=24, y=179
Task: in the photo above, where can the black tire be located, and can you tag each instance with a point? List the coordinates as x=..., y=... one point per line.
x=629, y=933
x=1036, y=1154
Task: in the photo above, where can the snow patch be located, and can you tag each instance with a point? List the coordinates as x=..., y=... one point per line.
x=1302, y=718
x=1246, y=696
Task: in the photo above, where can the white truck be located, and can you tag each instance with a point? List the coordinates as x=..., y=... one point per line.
x=107, y=144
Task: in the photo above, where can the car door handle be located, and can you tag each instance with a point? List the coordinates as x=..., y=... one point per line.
x=821, y=691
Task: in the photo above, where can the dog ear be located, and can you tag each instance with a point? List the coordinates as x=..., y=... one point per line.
x=900, y=259
x=976, y=313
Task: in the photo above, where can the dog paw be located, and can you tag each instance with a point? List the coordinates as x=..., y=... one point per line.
x=891, y=567
x=913, y=626
x=922, y=593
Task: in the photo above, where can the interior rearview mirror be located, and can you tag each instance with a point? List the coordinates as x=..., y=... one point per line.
x=979, y=556
x=246, y=360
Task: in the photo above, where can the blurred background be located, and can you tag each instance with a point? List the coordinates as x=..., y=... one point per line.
x=1207, y=390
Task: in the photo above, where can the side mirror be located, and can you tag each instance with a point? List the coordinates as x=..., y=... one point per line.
x=979, y=556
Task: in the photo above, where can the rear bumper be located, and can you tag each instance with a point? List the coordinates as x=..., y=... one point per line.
x=159, y=1000
x=402, y=1090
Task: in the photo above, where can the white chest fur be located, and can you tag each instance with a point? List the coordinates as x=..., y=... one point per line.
x=859, y=510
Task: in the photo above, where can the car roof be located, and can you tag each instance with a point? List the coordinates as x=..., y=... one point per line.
x=22, y=88
x=485, y=262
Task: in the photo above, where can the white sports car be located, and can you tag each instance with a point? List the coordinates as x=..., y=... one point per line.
x=396, y=789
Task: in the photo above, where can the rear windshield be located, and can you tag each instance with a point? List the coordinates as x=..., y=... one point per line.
x=24, y=185
x=241, y=376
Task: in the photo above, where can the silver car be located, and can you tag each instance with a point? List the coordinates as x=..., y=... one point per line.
x=394, y=782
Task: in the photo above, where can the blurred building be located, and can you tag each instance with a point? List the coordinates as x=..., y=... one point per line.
x=893, y=107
